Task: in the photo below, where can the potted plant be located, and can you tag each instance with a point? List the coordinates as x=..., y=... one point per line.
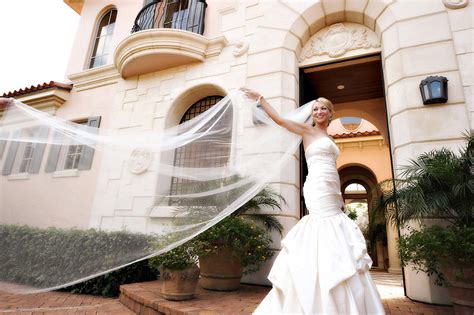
x=227, y=248
x=178, y=271
x=437, y=185
x=239, y=242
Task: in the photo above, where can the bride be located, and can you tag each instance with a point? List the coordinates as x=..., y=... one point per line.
x=323, y=266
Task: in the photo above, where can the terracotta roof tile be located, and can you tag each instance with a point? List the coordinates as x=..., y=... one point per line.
x=39, y=87
x=356, y=134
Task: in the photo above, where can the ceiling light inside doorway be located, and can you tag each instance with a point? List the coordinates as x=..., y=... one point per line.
x=340, y=87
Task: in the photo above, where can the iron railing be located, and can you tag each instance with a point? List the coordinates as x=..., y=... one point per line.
x=178, y=14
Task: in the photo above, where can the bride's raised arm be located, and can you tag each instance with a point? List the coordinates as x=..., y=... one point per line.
x=295, y=127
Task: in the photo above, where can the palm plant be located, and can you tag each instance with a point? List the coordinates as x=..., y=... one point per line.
x=203, y=208
x=437, y=184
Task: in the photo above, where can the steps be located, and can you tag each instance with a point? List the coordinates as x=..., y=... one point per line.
x=145, y=299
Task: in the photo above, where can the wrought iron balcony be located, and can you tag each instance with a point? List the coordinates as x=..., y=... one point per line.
x=166, y=34
x=185, y=15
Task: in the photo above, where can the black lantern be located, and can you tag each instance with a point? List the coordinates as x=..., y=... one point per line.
x=434, y=89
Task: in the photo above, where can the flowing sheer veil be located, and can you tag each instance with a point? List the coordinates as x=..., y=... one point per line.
x=236, y=150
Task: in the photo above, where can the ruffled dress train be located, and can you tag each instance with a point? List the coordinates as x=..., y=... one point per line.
x=323, y=266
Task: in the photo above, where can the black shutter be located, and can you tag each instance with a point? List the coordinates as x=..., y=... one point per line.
x=10, y=159
x=85, y=162
x=39, y=150
x=53, y=156
x=3, y=143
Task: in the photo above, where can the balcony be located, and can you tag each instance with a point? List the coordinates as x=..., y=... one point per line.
x=166, y=34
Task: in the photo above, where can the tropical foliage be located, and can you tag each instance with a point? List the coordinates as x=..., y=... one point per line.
x=437, y=185
x=179, y=258
x=245, y=231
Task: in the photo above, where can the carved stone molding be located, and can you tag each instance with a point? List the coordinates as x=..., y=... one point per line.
x=338, y=39
x=455, y=4
x=140, y=161
x=240, y=48
x=163, y=48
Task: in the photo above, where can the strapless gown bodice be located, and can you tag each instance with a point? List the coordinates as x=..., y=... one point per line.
x=323, y=266
x=322, y=187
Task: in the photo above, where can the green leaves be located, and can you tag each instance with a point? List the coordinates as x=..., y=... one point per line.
x=179, y=258
x=437, y=184
x=433, y=248
x=56, y=256
x=248, y=242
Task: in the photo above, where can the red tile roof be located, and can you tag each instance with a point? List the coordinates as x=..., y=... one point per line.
x=356, y=134
x=39, y=87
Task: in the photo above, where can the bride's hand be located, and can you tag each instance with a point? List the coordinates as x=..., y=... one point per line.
x=251, y=94
x=5, y=102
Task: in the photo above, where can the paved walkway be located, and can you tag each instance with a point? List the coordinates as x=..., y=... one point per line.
x=56, y=303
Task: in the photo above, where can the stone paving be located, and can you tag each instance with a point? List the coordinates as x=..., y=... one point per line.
x=240, y=302
x=59, y=303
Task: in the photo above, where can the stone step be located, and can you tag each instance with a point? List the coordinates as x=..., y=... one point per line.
x=145, y=299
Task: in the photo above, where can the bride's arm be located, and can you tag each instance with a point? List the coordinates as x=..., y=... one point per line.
x=295, y=127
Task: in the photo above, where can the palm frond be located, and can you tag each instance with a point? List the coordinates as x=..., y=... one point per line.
x=437, y=184
x=269, y=222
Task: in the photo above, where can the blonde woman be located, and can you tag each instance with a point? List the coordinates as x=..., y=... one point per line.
x=323, y=266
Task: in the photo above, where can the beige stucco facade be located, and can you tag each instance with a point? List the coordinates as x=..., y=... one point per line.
x=262, y=45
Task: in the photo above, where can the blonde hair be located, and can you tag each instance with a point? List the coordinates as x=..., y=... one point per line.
x=328, y=104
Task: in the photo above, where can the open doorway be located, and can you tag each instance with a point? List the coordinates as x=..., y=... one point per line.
x=360, y=130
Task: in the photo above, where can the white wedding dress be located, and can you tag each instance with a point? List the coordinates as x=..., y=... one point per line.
x=323, y=266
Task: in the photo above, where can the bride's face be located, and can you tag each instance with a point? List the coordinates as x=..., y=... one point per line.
x=321, y=114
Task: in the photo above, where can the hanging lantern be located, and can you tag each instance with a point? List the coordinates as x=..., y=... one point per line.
x=434, y=89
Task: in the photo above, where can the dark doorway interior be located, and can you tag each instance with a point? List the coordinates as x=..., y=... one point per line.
x=341, y=82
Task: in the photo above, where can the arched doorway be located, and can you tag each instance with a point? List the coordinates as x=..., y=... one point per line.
x=359, y=188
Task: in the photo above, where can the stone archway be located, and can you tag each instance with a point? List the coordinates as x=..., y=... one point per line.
x=361, y=203
x=286, y=27
x=188, y=97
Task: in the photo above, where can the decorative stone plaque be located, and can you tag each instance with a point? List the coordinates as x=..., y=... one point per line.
x=338, y=39
x=455, y=4
x=139, y=161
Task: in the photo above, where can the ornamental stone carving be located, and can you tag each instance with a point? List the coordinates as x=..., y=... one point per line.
x=139, y=161
x=338, y=39
x=455, y=4
x=240, y=48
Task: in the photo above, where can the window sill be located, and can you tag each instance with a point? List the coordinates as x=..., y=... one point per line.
x=19, y=176
x=67, y=173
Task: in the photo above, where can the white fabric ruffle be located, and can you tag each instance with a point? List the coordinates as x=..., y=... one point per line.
x=323, y=266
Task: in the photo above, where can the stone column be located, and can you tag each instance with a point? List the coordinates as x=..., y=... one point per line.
x=392, y=238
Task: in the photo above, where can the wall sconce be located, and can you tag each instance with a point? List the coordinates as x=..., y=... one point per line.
x=434, y=89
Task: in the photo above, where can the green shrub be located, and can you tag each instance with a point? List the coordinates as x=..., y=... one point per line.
x=179, y=258
x=436, y=185
x=432, y=248
x=109, y=284
x=247, y=241
x=54, y=257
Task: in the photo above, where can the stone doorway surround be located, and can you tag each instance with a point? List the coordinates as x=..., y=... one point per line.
x=415, y=40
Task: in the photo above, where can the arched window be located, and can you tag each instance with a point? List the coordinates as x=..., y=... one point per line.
x=351, y=123
x=355, y=188
x=186, y=15
x=103, y=39
x=200, y=154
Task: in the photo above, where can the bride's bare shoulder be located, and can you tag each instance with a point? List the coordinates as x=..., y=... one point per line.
x=332, y=139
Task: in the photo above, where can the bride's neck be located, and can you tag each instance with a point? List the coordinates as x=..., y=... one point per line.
x=321, y=128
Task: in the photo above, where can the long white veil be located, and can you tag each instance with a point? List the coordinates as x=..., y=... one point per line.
x=230, y=153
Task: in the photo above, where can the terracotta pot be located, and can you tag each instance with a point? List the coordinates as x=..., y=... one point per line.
x=220, y=271
x=461, y=291
x=179, y=285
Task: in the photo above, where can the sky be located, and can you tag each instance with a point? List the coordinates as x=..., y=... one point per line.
x=36, y=38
